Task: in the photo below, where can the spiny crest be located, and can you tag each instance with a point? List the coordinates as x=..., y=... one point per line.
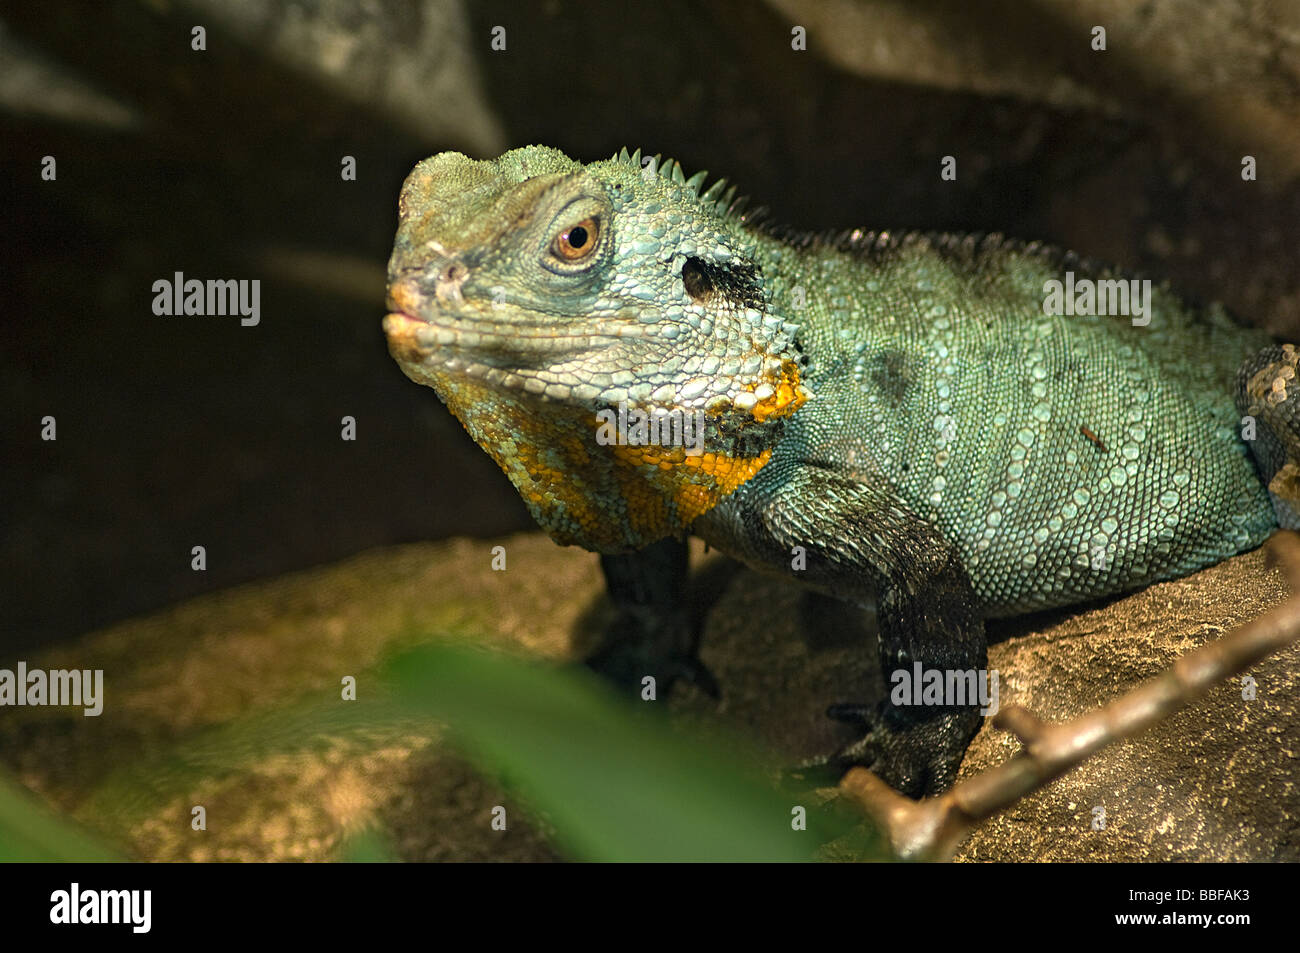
x=969, y=248
x=721, y=196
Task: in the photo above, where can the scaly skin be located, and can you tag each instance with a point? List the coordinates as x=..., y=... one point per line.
x=888, y=418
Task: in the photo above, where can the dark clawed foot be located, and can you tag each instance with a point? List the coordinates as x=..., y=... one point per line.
x=915, y=752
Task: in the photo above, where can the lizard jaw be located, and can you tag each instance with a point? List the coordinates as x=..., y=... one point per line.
x=507, y=355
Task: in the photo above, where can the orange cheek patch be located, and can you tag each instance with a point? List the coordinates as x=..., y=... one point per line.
x=725, y=473
x=695, y=484
x=548, y=485
x=787, y=398
x=541, y=449
x=645, y=490
x=647, y=509
x=606, y=498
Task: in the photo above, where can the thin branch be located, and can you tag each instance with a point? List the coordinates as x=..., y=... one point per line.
x=933, y=828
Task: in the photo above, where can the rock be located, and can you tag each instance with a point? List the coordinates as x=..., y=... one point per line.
x=1215, y=782
x=1189, y=66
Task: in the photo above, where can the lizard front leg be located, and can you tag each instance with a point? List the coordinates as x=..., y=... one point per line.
x=652, y=632
x=858, y=539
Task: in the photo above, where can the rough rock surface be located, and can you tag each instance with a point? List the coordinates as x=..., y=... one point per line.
x=1217, y=781
x=1209, y=72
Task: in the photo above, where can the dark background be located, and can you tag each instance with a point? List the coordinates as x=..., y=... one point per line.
x=177, y=431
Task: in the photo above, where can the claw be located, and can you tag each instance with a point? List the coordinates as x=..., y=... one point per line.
x=827, y=770
x=822, y=772
x=914, y=755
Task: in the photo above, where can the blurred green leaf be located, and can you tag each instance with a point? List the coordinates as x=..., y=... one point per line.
x=368, y=846
x=30, y=832
x=613, y=779
x=617, y=784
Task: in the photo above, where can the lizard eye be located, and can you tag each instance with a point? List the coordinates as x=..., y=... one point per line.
x=577, y=241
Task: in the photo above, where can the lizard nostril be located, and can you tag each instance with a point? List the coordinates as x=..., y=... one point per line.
x=448, y=282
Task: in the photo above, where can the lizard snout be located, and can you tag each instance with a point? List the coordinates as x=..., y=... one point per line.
x=416, y=290
x=404, y=296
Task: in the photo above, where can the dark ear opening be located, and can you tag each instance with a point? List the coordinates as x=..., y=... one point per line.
x=735, y=283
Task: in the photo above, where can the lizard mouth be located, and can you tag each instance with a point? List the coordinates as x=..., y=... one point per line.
x=418, y=341
x=406, y=338
x=479, y=347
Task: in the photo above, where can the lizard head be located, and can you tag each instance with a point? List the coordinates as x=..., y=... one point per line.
x=542, y=299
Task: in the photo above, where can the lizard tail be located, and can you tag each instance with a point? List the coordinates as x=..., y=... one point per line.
x=1268, y=397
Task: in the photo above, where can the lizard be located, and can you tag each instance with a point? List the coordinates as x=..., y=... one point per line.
x=893, y=419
